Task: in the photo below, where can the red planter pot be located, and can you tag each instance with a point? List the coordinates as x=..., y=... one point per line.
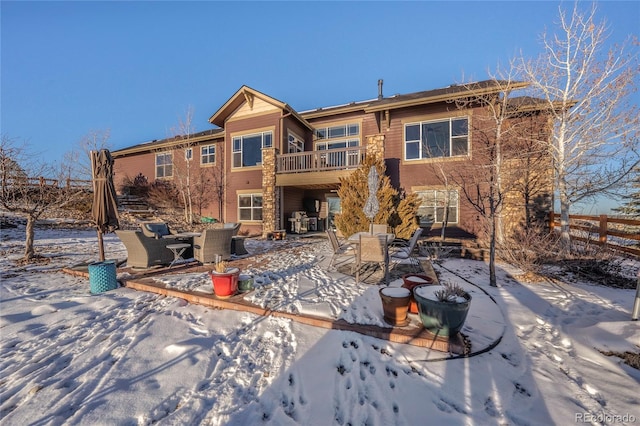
x=225, y=284
x=395, y=302
x=412, y=280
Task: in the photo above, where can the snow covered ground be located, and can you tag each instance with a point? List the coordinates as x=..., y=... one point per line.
x=132, y=358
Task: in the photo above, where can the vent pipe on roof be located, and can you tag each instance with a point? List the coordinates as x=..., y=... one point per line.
x=380, y=89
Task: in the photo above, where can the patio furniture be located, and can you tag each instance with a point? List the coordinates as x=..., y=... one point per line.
x=144, y=252
x=213, y=242
x=233, y=225
x=156, y=229
x=237, y=246
x=177, y=250
x=378, y=228
x=372, y=249
x=404, y=251
x=340, y=251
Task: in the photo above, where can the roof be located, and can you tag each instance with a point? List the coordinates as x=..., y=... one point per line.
x=246, y=94
x=419, y=98
x=172, y=141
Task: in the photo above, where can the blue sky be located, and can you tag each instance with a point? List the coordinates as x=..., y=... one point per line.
x=69, y=68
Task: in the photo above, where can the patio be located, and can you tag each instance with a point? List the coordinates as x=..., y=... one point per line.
x=293, y=280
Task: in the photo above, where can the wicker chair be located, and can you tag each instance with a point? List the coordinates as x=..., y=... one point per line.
x=143, y=251
x=212, y=242
x=156, y=229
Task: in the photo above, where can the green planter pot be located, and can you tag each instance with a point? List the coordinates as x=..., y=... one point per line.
x=441, y=318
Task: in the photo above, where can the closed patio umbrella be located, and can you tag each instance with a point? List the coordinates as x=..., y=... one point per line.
x=105, y=205
x=372, y=206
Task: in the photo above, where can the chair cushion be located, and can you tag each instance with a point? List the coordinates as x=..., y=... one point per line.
x=160, y=229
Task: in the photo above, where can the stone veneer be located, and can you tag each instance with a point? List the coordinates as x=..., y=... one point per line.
x=270, y=193
x=375, y=145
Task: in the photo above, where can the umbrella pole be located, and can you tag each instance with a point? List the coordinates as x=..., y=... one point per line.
x=101, y=246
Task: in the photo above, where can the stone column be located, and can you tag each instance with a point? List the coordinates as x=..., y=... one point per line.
x=270, y=193
x=375, y=146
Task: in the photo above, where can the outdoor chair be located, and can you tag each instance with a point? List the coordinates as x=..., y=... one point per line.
x=343, y=252
x=378, y=228
x=401, y=251
x=372, y=249
x=213, y=242
x=143, y=251
x=233, y=225
x=156, y=229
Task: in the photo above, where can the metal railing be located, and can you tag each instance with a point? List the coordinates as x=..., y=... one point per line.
x=322, y=160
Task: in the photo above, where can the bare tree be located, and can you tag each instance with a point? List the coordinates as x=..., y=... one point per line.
x=30, y=189
x=498, y=152
x=183, y=163
x=209, y=184
x=77, y=162
x=588, y=86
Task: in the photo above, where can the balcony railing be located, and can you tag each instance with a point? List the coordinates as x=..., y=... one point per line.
x=318, y=161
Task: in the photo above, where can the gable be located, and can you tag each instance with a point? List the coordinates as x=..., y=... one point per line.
x=257, y=107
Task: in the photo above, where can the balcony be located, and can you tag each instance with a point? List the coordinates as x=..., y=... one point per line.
x=321, y=161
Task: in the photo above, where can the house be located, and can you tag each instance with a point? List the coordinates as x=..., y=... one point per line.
x=265, y=160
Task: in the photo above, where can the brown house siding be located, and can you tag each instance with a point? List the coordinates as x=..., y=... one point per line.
x=127, y=168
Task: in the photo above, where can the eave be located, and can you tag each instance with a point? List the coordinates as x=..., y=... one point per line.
x=454, y=92
x=215, y=135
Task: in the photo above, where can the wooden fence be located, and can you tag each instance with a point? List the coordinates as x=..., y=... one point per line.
x=598, y=229
x=48, y=182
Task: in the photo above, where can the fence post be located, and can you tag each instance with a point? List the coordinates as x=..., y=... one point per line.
x=602, y=237
x=636, y=304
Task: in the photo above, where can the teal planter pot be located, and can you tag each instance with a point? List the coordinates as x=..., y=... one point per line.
x=102, y=276
x=441, y=318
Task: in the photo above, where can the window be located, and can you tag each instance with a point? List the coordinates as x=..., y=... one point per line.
x=433, y=205
x=164, y=165
x=296, y=144
x=188, y=154
x=442, y=138
x=250, y=207
x=342, y=136
x=208, y=154
x=247, y=149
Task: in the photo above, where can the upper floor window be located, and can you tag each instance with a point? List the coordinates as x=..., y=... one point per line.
x=208, y=154
x=295, y=143
x=247, y=149
x=439, y=138
x=164, y=165
x=341, y=136
x=188, y=154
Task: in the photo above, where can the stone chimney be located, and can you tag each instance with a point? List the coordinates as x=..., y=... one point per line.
x=380, y=89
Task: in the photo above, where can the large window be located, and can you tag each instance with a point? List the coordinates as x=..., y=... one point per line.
x=164, y=165
x=433, y=204
x=441, y=138
x=247, y=149
x=250, y=207
x=342, y=136
x=208, y=154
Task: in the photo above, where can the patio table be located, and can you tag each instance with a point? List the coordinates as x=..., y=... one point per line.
x=178, y=250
